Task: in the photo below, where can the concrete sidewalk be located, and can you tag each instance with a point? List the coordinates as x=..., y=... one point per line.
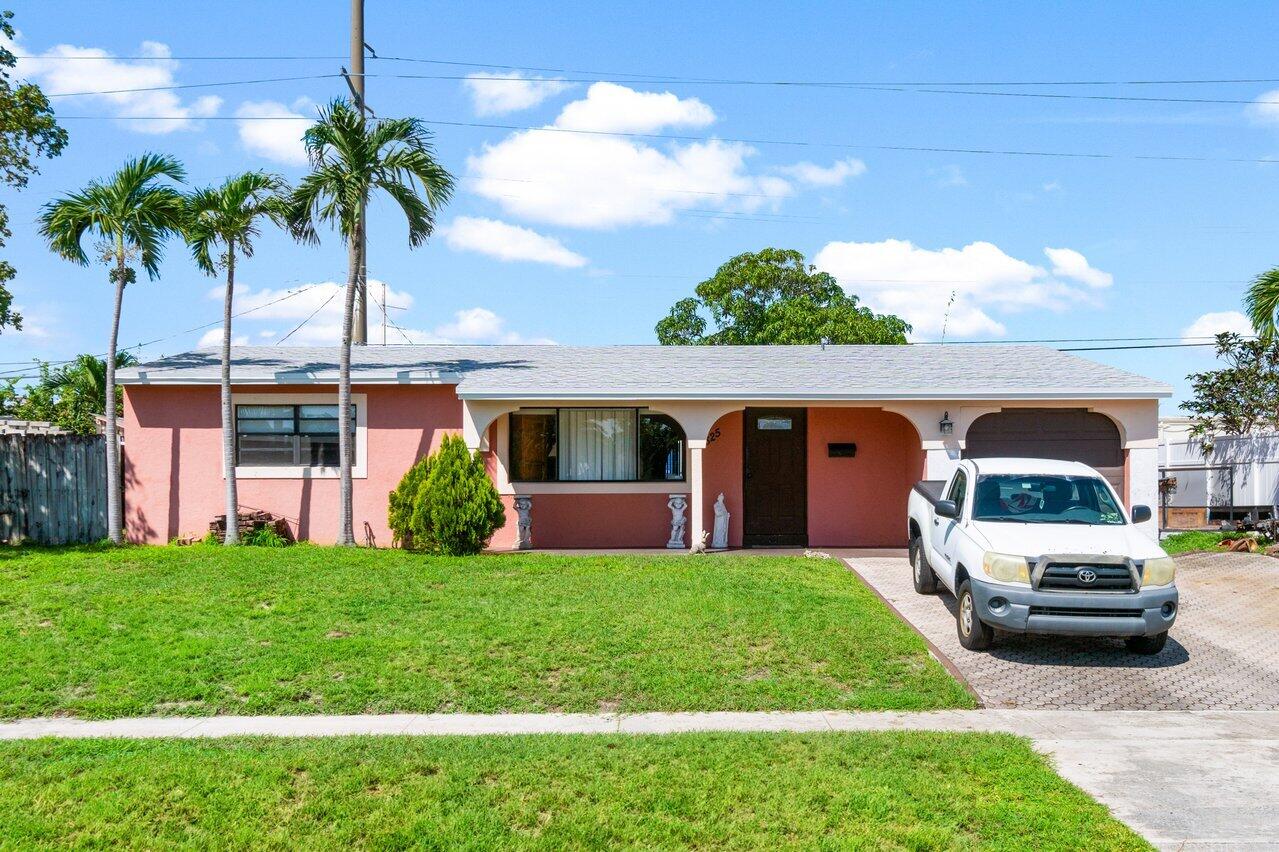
x=1183, y=779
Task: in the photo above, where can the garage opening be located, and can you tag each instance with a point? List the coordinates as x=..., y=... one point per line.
x=1067, y=434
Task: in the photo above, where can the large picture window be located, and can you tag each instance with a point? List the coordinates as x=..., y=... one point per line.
x=595, y=445
x=287, y=435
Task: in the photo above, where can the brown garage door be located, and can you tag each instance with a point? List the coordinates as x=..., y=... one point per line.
x=1068, y=434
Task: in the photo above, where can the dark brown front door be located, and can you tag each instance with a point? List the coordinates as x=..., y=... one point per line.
x=775, y=478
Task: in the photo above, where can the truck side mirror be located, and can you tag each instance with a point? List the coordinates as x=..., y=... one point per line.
x=1140, y=514
x=946, y=509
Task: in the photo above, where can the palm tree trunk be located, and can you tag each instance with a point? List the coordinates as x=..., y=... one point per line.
x=346, y=528
x=115, y=497
x=228, y=423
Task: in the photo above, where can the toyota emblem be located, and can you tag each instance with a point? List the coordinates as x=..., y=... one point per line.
x=1086, y=576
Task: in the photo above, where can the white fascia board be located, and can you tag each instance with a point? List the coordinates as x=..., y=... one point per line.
x=868, y=395
x=402, y=377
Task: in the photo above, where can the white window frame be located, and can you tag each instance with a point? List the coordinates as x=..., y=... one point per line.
x=359, y=468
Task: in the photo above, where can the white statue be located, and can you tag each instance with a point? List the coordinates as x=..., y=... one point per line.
x=677, y=504
x=719, y=540
x=524, y=507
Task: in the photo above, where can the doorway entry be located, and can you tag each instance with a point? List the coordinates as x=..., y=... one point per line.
x=775, y=477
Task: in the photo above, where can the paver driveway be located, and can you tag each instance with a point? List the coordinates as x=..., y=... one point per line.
x=1222, y=654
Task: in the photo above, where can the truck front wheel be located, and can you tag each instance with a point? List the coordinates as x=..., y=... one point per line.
x=1147, y=644
x=973, y=633
x=925, y=579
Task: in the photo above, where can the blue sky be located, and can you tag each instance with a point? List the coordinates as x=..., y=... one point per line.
x=588, y=238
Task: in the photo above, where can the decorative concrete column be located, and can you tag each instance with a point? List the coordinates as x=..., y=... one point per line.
x=524, y=508
x=1143, y=482
x=697, y=531
x=677, y=504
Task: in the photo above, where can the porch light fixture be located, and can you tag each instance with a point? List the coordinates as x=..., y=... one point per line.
x=947, y=427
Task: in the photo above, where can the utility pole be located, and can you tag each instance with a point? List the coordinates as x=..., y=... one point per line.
x=360, y=332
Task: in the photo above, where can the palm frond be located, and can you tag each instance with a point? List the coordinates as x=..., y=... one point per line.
x=1262, y=302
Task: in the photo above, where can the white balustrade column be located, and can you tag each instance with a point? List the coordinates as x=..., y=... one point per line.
x=697, y=525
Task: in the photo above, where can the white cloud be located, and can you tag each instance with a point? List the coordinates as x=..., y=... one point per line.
x=611, y=108
x=213, y=337
x=95, y=70
x=1265, y=110
x=836, y=174
x=322, y=302
x=500, y=93
x=508, y=242
x=588, y=181
x=1068, y=263
x=917, y=284
x=274, y=139
x=1212, y=324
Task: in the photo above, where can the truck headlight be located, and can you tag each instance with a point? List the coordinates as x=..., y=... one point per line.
x=1158, y=572
x=1006, y=568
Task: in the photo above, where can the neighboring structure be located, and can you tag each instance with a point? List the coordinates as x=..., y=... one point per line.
x=1237, y=478
x=10, y=426
x=810, y=445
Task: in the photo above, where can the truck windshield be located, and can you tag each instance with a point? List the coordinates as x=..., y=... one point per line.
x=1043, y=499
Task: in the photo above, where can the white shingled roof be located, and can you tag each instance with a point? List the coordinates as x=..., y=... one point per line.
x=922, y=371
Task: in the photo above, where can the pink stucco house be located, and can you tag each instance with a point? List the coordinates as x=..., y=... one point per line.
x=810, y=446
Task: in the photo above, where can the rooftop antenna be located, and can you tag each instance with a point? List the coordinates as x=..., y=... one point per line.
x=946, y=319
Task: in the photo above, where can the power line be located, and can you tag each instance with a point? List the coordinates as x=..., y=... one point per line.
x=288, y=295
x=298, y=327
x=665, y=77
x=192, y=86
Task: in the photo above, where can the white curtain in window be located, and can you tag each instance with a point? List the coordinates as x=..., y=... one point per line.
x=598, y=444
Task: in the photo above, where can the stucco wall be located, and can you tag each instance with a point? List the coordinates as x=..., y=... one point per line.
x=860, y=501
x=173, y=461
x=722, y=473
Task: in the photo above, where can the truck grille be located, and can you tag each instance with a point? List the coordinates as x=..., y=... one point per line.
x=1069, y=611
x=1065, y=578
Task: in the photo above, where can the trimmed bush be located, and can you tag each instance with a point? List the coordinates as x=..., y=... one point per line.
x=445, y=503
x=406, y=513
x=463, y=507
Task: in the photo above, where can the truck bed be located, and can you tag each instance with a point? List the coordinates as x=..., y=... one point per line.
x=931, y=489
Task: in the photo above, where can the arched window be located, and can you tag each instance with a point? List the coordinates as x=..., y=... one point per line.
x=595, y=445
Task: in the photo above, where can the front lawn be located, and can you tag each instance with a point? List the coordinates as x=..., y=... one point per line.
x=204, y=630
x=710, y=791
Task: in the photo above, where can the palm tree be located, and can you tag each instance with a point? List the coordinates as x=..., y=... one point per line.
x=1262, y=302
x=351, y=160
x=85, y=380
x=131, y=215
x=221, y=221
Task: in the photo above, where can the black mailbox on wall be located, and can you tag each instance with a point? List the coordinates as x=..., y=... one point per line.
x=841, y=451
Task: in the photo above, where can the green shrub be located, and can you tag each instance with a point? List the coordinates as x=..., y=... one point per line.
x=463, y=506
x=265, y=536
x=406, y=513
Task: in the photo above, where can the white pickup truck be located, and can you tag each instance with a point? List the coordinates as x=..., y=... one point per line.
x=1038, y=546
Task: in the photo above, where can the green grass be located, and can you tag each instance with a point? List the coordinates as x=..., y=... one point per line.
x=711, y=791
x=1195, y=541
x=100, y=632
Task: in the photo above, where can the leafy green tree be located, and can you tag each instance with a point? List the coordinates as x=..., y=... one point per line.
x=407, y=509
x=1262, y=302
x=71, y=397
x=464, y=507
x=350, y=161
x=1241, y=397
x=27, y=132
x=222, y=222
x=773, y=297
x=131, y=216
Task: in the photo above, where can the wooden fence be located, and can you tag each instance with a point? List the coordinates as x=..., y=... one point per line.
x=53, y=488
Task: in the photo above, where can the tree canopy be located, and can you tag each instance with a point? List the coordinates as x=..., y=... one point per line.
x=1241, y=397
x=70, y=397
x=773, y=297
x=27, y=133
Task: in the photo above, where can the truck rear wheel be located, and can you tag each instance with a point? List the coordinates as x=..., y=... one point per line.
x=925, y=579
x=1147, y=644
x=974, y=634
